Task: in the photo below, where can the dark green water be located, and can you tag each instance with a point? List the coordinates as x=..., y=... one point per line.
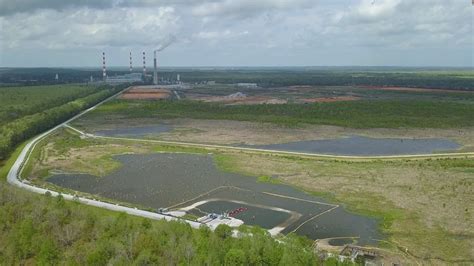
x=357, y=145
x=174, y=179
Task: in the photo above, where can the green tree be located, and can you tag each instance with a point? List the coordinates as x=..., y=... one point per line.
x=49, y=253
x=223, y=231
x=235, y=257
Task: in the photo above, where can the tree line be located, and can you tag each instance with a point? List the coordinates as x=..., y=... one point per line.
x=354, y=114
x=16, y=102
x=275, y=78
x=48, y=230
x=16, y=131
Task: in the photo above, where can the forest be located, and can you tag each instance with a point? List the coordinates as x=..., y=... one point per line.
x=354, y=114
x=19, y=101
x=437, y=78
x=40, y=113
x=46, y=230
x=459, y=80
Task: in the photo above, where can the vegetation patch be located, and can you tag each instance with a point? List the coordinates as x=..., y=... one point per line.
x=45, y=117
x=414, y=200
x=355, y=114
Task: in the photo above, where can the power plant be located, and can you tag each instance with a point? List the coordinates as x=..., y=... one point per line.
x=133, y=77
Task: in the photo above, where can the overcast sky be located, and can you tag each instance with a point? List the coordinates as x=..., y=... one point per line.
x=237, y=32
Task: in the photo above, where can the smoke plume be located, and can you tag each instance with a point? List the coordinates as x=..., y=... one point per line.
x=167, y=42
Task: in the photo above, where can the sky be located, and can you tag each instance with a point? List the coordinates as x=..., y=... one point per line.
x=65, y=33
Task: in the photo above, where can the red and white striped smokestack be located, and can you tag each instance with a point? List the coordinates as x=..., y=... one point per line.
x=104, y=72
x=144, y=65
x=131, y=69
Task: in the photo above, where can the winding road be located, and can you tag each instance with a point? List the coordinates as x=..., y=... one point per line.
x=15, y=171
x=14, y=174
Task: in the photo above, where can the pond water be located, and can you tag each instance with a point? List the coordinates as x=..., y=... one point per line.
x=138, y=131
x=174, y=180
x=342, y=241
x=358, y=145
x=251, y=214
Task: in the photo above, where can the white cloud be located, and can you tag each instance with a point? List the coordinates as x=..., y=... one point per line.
x=90, y=28
x=246, y=8
x=265, y=29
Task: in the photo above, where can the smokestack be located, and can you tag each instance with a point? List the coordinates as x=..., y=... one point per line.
x=131, y=69
x=155, y=71
x=144, y=66
x=104, y=73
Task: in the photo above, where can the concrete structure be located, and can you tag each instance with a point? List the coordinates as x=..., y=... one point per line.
x=247, y=85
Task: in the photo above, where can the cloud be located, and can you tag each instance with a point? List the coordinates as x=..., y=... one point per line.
x=265, y=29
x=90, y=28
x=246, y=8
x=10, y=7
x=219, y=35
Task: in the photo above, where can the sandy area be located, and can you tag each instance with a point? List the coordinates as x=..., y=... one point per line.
x=140, y=93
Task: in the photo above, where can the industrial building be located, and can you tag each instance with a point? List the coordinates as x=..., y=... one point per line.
x=247, y=85
x=127, y=78
x=137, y=77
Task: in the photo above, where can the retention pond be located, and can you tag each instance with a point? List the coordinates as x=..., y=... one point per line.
x=176, y=181
x=364, y=146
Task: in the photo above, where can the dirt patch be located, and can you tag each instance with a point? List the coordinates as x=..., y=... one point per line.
x=140, y=93
x=330, y=99
x=412, y=89
x=241, y=99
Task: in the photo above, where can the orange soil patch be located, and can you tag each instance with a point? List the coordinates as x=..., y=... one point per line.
x=259, y=100
x=146, y=94
x=412, y=89
x=330, y=99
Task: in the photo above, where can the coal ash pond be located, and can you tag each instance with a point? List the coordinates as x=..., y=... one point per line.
x=178, y=180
